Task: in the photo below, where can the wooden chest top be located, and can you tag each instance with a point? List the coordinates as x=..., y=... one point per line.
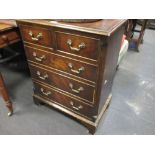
x=103, y=27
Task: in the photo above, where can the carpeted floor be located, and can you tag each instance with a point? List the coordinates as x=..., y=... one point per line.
x=132, y=109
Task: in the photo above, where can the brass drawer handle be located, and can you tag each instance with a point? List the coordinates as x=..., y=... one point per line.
x=44, y=77
x=45, y=93
x=37, y=38
x=80, y=46
x=74, y=90
x=70, y=65
x=40, y=59
x=74, y=107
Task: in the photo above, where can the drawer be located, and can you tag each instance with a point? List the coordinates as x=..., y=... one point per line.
x=64, y=100
x=9, y=37
x=36, y=35
x=65, y=64
x=64, y=83
x=78, y=45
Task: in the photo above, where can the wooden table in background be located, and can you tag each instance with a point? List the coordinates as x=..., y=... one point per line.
x=5, y=95
x=131, y=29
x=9, y=34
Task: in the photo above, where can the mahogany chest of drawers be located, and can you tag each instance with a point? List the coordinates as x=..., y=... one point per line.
x=73, y=65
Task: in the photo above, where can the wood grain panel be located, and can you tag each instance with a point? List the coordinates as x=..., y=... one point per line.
x=9, y=37
x=45, y=38
x=62, y=63
x=64, y=83
x=89, y=50
x=64, y=100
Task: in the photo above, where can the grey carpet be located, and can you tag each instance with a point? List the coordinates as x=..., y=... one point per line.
x=132, y=109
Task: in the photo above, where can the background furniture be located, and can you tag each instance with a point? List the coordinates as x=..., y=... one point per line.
x=5, y=95
x=9, y=34
x=130, y=33
x=150, y=23
x=73, y=65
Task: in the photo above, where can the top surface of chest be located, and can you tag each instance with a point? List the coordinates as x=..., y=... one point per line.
x=103, y=27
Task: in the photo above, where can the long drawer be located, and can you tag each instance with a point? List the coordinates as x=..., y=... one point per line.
x=65, y=64
x=64, y=100
x=64, y=83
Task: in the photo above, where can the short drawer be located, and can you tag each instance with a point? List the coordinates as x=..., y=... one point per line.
x=71, y=66
x=9, y=37
x=78, y=45
x=64, y=100
x=64, y=83
x=36, y=35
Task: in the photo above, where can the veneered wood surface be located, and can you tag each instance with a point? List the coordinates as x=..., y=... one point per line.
x=99, y=61
x=62, y=64
x=62, y=82
x=45, y=40
x=91, y=49
x=102, y=27
x=9, y=37
x=5, y=95
x=64, y=100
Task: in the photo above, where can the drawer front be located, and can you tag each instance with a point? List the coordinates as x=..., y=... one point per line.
x=36, y=35
x=78, y=45
x=8, y=37
x=65, y=64
x=64, y=100
x=64, y=83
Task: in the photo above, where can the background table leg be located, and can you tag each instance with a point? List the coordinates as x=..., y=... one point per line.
x=5, y=96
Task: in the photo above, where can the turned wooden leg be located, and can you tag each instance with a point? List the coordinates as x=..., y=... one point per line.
x=5, y=96
x=140, y=39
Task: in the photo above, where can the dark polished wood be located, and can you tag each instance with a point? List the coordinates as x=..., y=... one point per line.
x=90, y=49
x=8, y=38
x=9, y=33
x=73, y=69
x=63, y=99
x=5, y=96
x=65, y=83
x=104, y=27
x=36, y=35
x=61, y=63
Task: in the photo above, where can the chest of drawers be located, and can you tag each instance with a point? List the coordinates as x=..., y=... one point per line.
x=72, y=65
